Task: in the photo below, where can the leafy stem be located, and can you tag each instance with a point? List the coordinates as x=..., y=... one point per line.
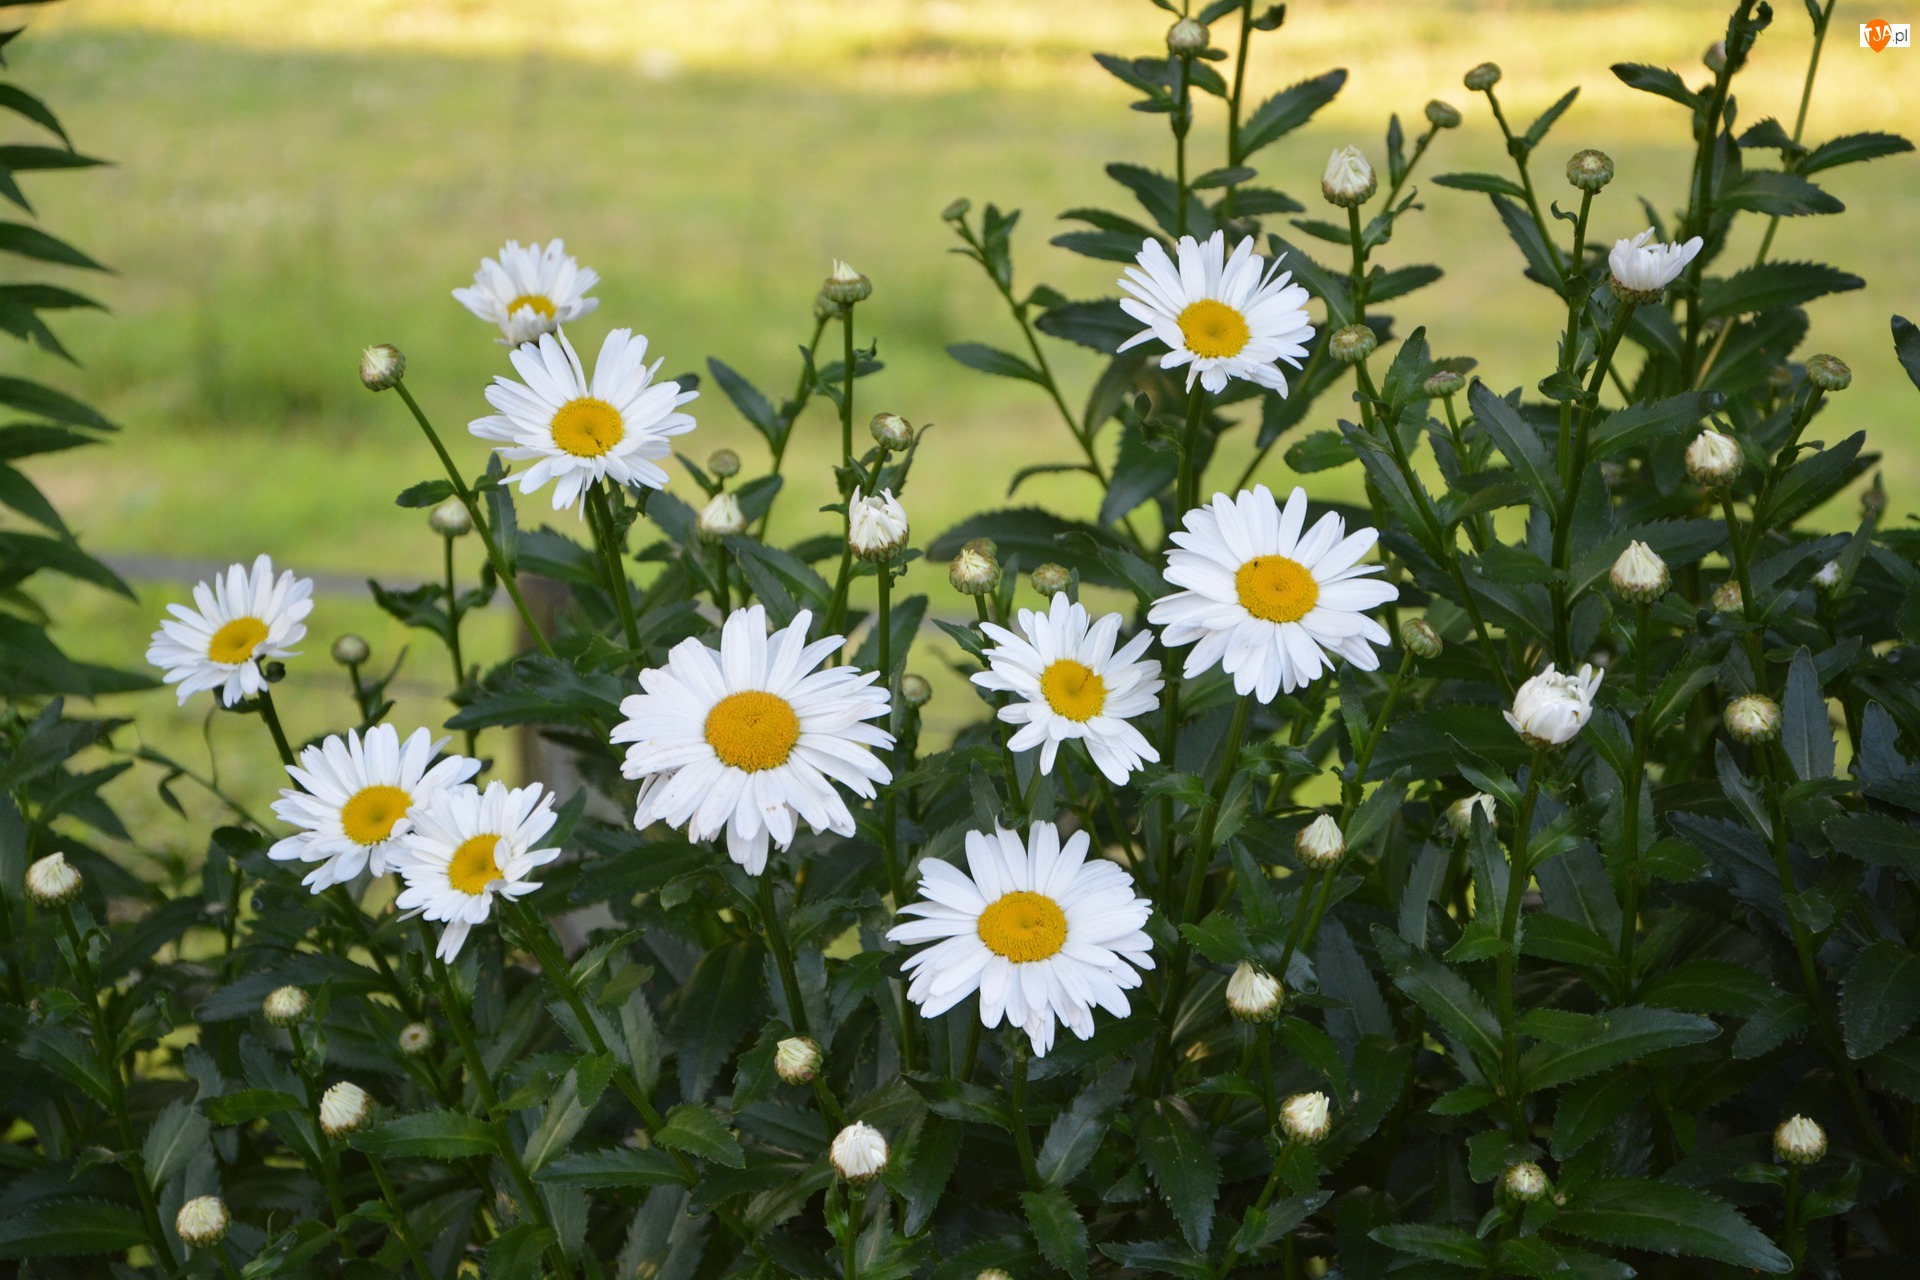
x=1520, y=869
x=607, y=538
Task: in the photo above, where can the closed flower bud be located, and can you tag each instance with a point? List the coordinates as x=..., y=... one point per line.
x=1442, y=115
x=957, y=210
x=1590, y=170
x=824, y=308
x=1253, y=994
x=724, y=463
x=1482, y=77
x=202, y=1222
x=1713, y=459
x=1460, y=813
x=1051, y=579
x=914, y=690
x=1799, y=1141
x=890, y=431
x=350, y=650
x=983, y=546
x=450, y=519
x=286, y=1006
x=1420, y=639
x=1715, y=58
x=1187, y=36
x=859, y=1152
x=415, y=1039
x=1348, y=181
x=1829, y=373
x=1752, y=718
x=1552, y=707
x=1640, y=576
x=382, y=366
x=876, y=526
x=52, y=881
x=973, y=573
x=796, y=1059
x=846, y=286
x=1444, y=383
x=1525, y=1182
x=1352, y=344
x=1303, y=1118
x=1320, y=844
x=993, y=1273
x=1827, y=576
x=344, y=1107
x=720, y=518
x=1726, y=597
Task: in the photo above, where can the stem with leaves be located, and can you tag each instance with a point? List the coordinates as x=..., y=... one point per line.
x=1519, y=870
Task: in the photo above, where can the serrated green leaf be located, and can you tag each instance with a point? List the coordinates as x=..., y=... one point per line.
x=1179, y=1157
x=1664, y=1217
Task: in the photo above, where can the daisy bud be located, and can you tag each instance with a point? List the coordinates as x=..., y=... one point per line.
x=202, y=1222
x=796, y=1059
x=1713, y=460
x=1187, y=37
x=720, y=518
x=957, y=210
x=286, y=1006
x=1753, y=718
x=1525, y=1182
x=876, y=526
x=382, y=366
x=1874, y=500
x=1320, y=844
x=1552, y=707
x=1051, y=579
x=1829, y=373
x=859, y=1152
x=973, y=573
x=1460, y=813
x=1590, y=170
x=1348, y=181
x=993, y=1273
x=1726, y=597
x=724, y=463
x=415, y=1039
x=1303, y=1118
x=824, y=308
x=350, y=650
x=1420, y=639
x=983, y=546
x=1640, y=576
x=1442, y=115
x=53, y=881
x=1482, y=77
x=1799, y=1141
x=1640, y=269
x=1715, y=58
x=1352, y=344
x=344, y=1107
x=1444, y=383
x=450, y=519
x=914, y=690
x=890, y=431
x=1253, y=994
x=1827, y=577
x=846, y=286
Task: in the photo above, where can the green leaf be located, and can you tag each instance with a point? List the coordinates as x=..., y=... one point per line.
x=752, y=405
x=1004, y=364
x=435, y=1135
x=695, y=1130
x=1658, y=81
x=1806, y=734
x=1163, y=1257
x=1057, y=1229
x=44, y=402
x=1663, y=1217
x=178, y=1133
x=70, y=1228
x=1881, y=997
x=1455, y=1245
x=1768, y=285
x=248, y=1105
x=62, y=1051
x=31, y=242
x=1590, y=1108
x=1877, y=840
x=1852, y=148
x=1486, y=183
x=19, y=101
x=1613, y=1037
x=1099, y=325
x=1517, y=441
x=930, y=1160
x=1443, y=993
x=1076, y=1133
x=1785, y=195
x=1286, y=111
x=723, y=1000
x=428, y=493
x=1179, y=1157
x=617, y=1167
x=1644, y=422
x=1141, y=469
x=518, y=1253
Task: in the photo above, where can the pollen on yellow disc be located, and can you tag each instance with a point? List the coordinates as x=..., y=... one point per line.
x=753, y=730
x=236, y=641
x=588, y=427
x=1073, y=689
x=369, y=817
x=539, y=302
x=1023, y=926
x=473, y=867
x=1212, y=328
x=1276, y=588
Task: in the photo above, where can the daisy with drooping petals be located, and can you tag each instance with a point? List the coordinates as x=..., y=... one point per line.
x=1224, y=317
x=529, y=291
x=468, y=845
x=750, y=738
x=1070, y=683
x=355, y=799
x=1044, y=935
x=241, y=617
x=578, y=429
x=1272, y=605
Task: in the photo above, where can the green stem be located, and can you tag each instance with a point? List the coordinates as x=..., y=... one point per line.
x=850, y=1238
x=1800, y=119
x=600, y=520
x=1022, y=1135
x=1573, y=467
x=1519, y=869
x=401, y=1227
x=722, y=588
x=327, y=1156
x=1233, y=101
x=454, y=617
x=1630, y=812
x=1188, y=492
x=264, y=702
x=1526, y=184
x=776, y=933
x=790, y=412
x=1357, y=276
x=846, y=387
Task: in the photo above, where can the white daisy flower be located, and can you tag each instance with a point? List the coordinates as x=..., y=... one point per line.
x=1272, y=605
x=466, y=846
x=530, y=291
x=241, y=617
x=1642, y=267
x=1552, y=707
x=1224, y=317
x=579, y=429
x=750, y=738
x=355, y=800
x=1069, y=683
x=1044, y=935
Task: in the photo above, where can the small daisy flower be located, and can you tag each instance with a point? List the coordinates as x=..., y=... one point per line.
x=749, y=739
x=355, y=798
x=1223, y=317
x=577, y=430
x=1044, y=935
x=530, y=291
x=1273, y=606
x=240, y=618
x=1553, y=706
x=1068, y=682
x=468, y=845
x=1641, y=268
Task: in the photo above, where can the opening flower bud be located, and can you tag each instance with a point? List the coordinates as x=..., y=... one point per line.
x=1187, y=36
x=1713, y=459
x=1829, y=373
x=1352, y=344
x=1525, y=1182
x=890, y=431
x=974, y=573
x=1420, y=639
x=1726, y=597
x=1754, y=717
x=1304, y=1118
x=1348, y=181
x=344, y=1107
x=286, y=1006
x=720, y=518
x=1799, y=1141
x=1640, y=576
x=1460, y=813
x=1827, y=576
x=415, y=1039
x=1051, y=579
x=1550, y=709
x=202, y=1222
x=1715, y=58
x=724, y=463
x=859, y=1152
x=350, y=650
x=382, y=366
x=876, y=526
x=914, y=690
x=450, y=519
x=1590, y=170
x=1253, y=994
x=1482, y=77
x=1320, y=844
x=52, y=881
x=796, y=1059
x=1442, y=115
x=846, y=286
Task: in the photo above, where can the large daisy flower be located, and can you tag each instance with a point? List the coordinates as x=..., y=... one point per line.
x=355, y=799
x=750, y=738
x=1224, y=317
x=466, y=846
x=1041, y=933
x=1068, y=682
x=1271, y=605
x=579, y=429
x=529, y=291
x=240, y=618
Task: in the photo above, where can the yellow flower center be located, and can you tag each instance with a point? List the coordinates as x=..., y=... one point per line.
x=1276, y=588
x=753, y=730
x=1073, y=689
x=1213, y=328
x=473, y=867
x=1023, y=926
x=588, y=427
x=368, y=817
x=539, y=302
x=236, y=641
